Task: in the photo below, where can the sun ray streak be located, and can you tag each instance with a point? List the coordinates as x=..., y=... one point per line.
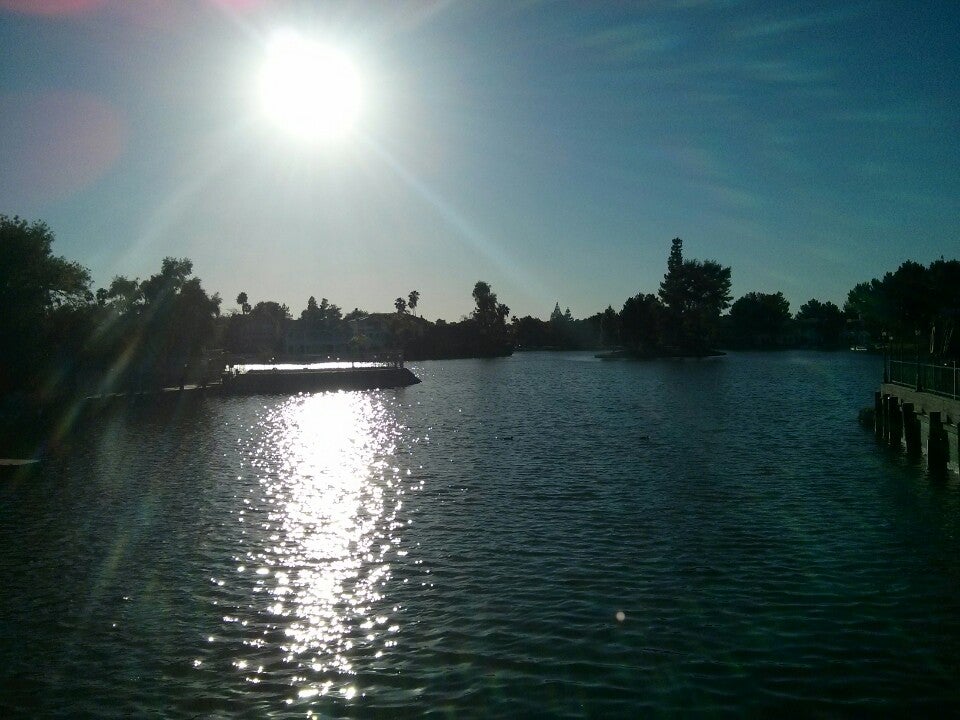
x=207, y=167
x=465, y=229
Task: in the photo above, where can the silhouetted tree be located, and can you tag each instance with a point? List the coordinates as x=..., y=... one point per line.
x=33, y=283
x=532, y=333
x=944, y=279
x=491, y=318
x=570, y=334
x=413, y=299
x=561, y=328
x=867, y=304
x=244, y=303
x=176, y=325
x=489, y=313
x=642, y=321
x=556, y=316
x=192, y=321
x=401, y=305
x=758, y=320
x=821, y=323
x=909, y=289
x=911, y=299
x=325, y=312
x=123, y=295
x=673, y=289
x=609, y=327
x=273, y=309
x=694, y=294
x=161, y=287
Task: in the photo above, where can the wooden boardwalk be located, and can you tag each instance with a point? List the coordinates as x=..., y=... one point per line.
x=922, y=423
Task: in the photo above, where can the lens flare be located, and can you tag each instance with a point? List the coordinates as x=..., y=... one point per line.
x=50, y=8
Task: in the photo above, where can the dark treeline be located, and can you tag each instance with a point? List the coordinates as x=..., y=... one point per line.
x=59, y=338
x=903, y=306
x=762, y=321
x=912, y=301
x=685, y=317
x=267, y=330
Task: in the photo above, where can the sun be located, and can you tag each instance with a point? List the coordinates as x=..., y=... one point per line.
x=310, y=90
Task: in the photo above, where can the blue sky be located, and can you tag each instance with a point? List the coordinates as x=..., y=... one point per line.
x=552, y=149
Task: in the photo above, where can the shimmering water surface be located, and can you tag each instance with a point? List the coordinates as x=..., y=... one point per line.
x=544, y=535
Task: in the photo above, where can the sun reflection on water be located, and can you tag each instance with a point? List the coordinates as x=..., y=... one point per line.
x=325, y=535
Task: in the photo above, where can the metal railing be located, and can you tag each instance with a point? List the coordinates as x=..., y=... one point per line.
x=942, y=379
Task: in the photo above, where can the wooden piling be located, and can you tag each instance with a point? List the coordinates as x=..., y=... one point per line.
x=878, y=415
x=895, y=434
x=936, y=445
x=886, y=418
x=921, y=423
x=911, y=430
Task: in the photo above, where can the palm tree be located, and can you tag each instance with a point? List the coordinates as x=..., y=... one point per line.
x=401, y=305
x=412, y=299
x=243, y=302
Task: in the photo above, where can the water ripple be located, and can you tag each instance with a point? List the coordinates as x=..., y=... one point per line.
x=538, y=536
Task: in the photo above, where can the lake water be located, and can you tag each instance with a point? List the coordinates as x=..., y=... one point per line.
x=543, y=535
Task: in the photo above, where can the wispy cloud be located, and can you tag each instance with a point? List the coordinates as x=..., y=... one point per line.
x=783, y=72
x=760, y=29
x=703, y=4
x=637, y=41
x=896, y=116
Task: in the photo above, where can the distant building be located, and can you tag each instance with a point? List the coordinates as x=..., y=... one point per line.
x=257, y=334
x=376, y=329
x=305, y=337
x=373, y=334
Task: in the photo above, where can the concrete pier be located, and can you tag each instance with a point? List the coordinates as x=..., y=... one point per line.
x=254, y=382
x=921, y=423
x=294, y=381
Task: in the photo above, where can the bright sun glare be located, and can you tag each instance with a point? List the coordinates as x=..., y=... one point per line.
x=310, y=90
